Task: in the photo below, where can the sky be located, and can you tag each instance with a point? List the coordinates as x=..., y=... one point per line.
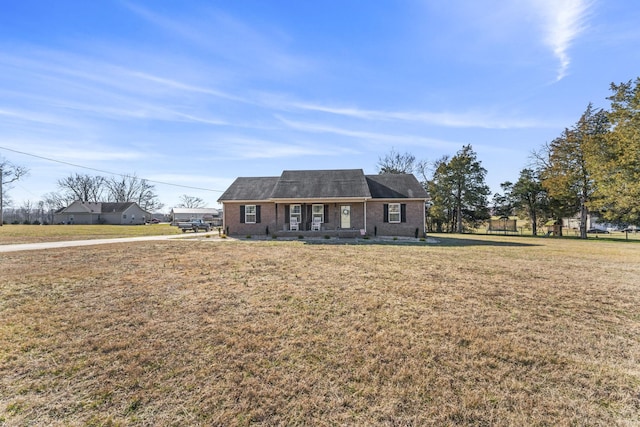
x=192, y=94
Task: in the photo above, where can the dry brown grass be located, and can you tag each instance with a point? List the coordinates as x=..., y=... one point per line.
x=475, y=331
x=16, y=234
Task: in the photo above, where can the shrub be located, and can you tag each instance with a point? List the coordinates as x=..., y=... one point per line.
x=300, y=236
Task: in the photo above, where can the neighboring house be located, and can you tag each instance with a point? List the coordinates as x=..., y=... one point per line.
x=188, y=214
x=101, y=213
x=326, y=202
x=593, y=221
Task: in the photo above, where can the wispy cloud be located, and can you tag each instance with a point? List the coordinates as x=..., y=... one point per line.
x=370, y=138
x=446, y=119
x=563, y=22
x=254, y=48
x=257, y=148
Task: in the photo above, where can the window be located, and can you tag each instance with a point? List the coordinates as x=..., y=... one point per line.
x=250, y=214
x=296, y=213
x=317, y=212
x=394, y=212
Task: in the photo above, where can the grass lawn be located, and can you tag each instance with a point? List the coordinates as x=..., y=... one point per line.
x=12, y=234
x=472, y=330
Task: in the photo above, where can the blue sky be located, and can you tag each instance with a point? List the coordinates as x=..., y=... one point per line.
x=196, y=93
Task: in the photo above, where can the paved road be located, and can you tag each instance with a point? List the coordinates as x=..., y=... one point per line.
x=71, y=243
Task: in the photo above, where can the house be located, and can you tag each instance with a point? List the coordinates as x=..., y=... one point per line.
x=188, y=214
x=593, y=222
x=129, y=213
x=329, y=202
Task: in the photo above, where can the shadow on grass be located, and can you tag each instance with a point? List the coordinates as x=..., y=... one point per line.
x=443, y=240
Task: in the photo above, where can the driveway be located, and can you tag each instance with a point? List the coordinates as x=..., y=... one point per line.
x=72, y=243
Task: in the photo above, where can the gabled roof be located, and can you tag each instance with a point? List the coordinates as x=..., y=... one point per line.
x=250, y=189
x=100, y=207
x=116, y=207
x=321, y=184
x=395, y=186
x=325, y=184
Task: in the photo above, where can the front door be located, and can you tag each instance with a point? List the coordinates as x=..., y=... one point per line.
x=345, y=216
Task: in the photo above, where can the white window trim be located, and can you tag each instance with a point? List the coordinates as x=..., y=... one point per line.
x=315, y=214
x=398, y=213
x=297, y=215
x=248, y=214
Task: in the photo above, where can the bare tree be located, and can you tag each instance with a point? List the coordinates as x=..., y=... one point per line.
x=191, y=202
x=27, y=211
x=54, y=202
x=395, y=162
x=85, y=188
x=9, y=172
x=130, y=188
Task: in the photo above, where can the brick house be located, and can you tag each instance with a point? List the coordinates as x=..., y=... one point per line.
x=344, y=203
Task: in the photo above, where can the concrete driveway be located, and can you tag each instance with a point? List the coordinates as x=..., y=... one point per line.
x=72, y=243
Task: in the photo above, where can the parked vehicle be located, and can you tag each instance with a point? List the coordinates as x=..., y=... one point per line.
x=194, y=225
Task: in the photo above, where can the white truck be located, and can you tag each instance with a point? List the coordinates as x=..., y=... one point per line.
x=194, y=225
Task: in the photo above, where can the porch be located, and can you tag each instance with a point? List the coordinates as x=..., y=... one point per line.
x=318, y=218
x=343, y=233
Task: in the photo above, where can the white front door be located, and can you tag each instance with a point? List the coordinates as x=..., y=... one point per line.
x=345, y=216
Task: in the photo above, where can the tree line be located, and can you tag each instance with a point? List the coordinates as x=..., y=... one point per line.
x=591, y=167
x=80, y=187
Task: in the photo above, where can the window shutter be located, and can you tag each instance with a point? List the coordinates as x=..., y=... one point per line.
x=241, y=214
x=257, y=214
x=287, y=213
x=326, y=213
x=403, y=212
x=386, y=212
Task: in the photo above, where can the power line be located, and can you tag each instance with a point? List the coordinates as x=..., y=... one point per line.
x=110, y=173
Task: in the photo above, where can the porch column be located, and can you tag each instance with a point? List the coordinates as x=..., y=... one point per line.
x=365, y=216
x=424, y=219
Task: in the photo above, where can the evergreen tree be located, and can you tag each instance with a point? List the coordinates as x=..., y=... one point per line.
x=459, y=192
x=618, y=172
x=570, y=162
x=529, y=199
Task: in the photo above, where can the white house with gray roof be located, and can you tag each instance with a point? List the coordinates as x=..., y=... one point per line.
x=326, y=202
x=78, y=212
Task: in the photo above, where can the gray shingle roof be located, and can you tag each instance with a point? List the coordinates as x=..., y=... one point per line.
x=395, y=186
x=115, y=207
x=250, y=189
x=325, y=184
x=321, y=184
